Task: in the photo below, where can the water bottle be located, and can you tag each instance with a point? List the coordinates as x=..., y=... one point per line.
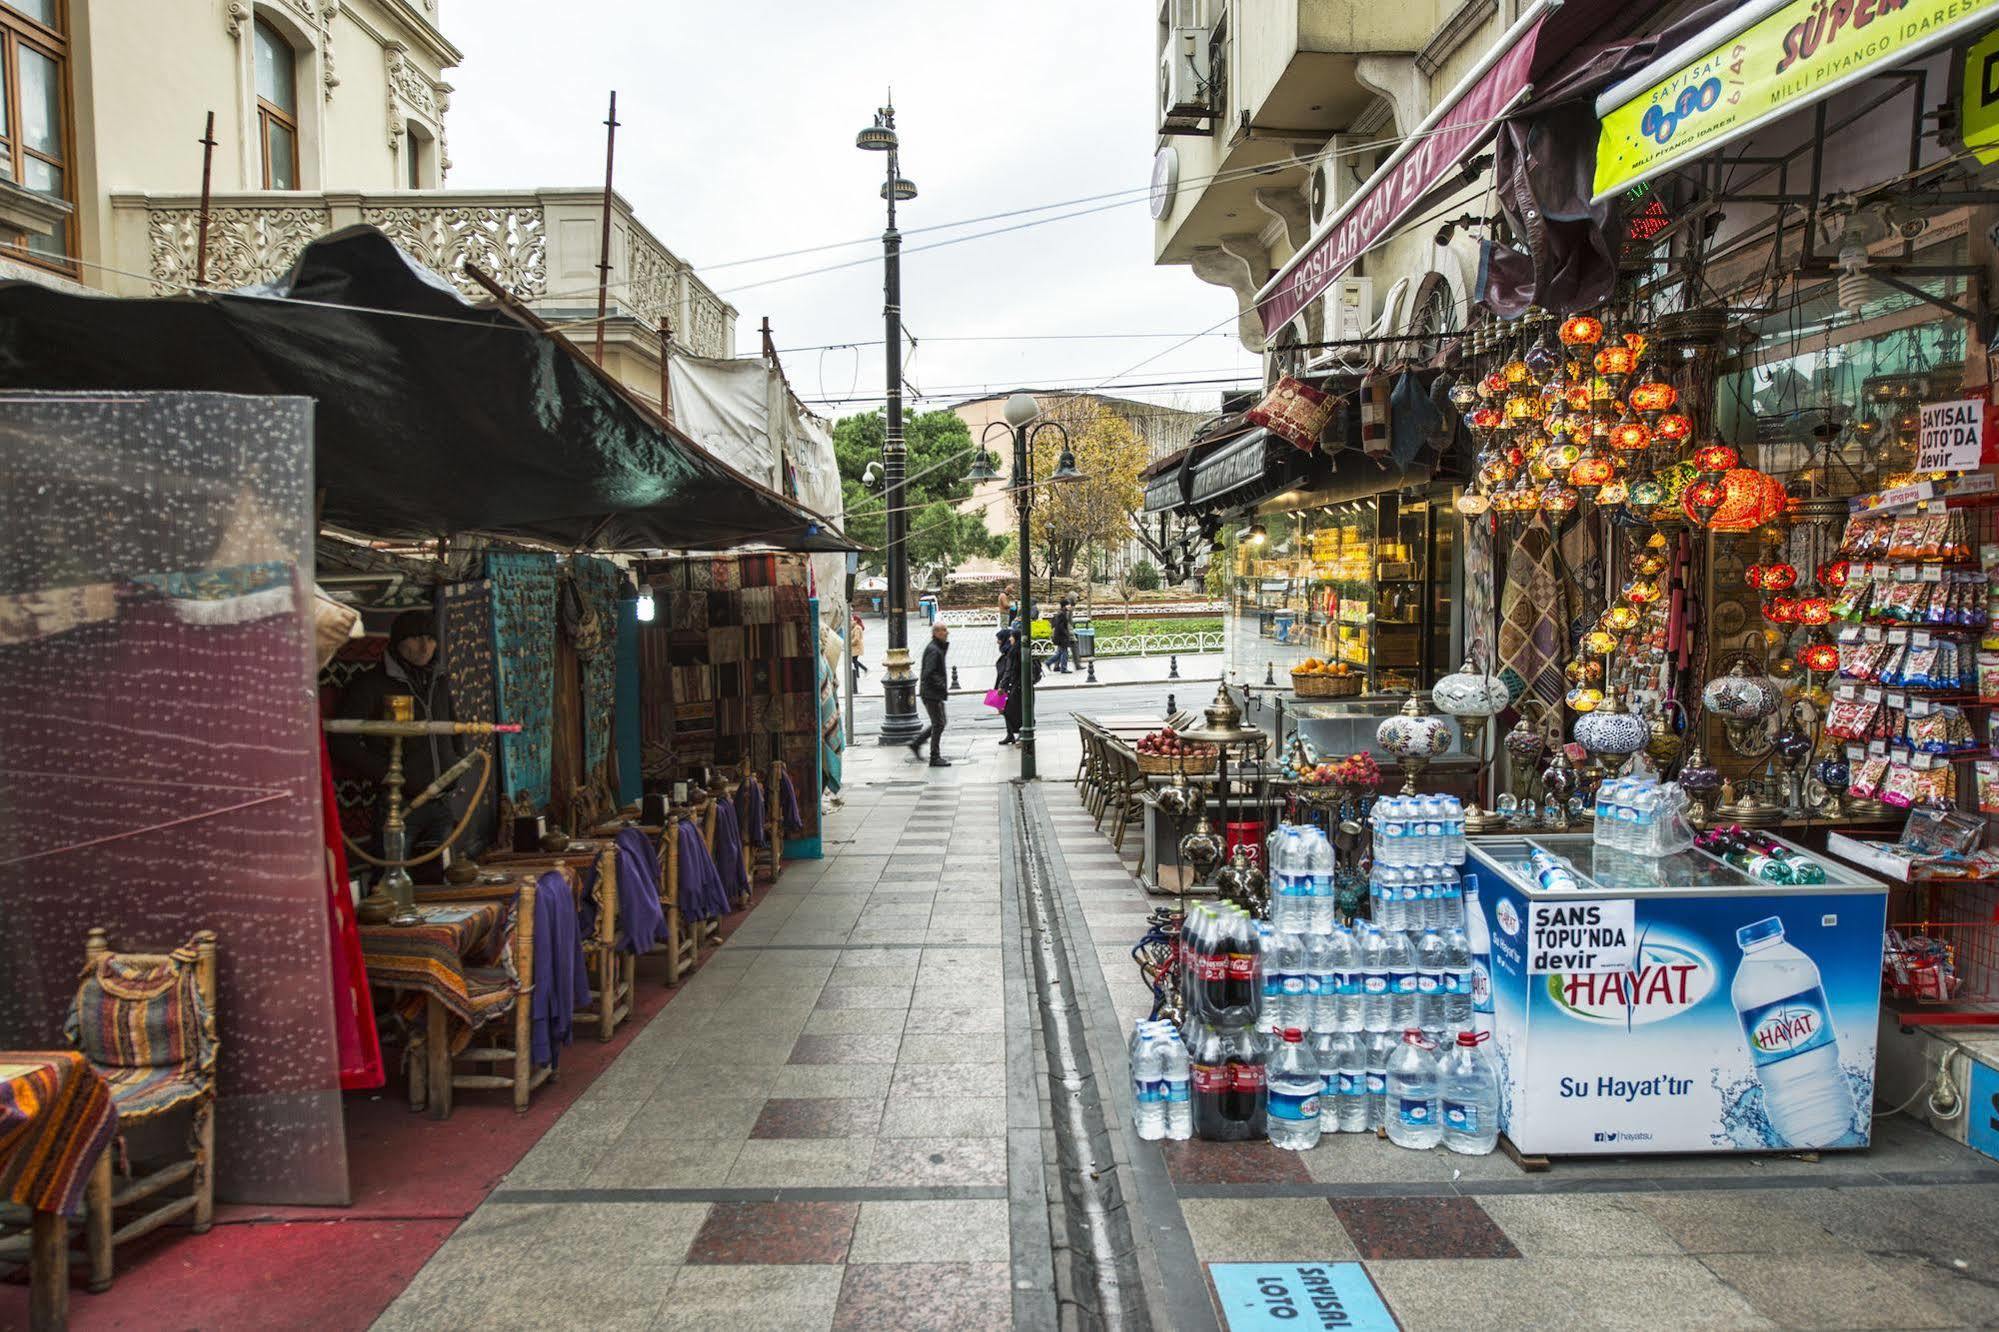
x=1320, y=861
x=1456, y=855
x=1320, y=960
x=1394, y=841
x=1787, y=1026
x=1417, y=911
x=1644, y=820
x=1430, y=981
x=1175, y=1071
x=1348, y=1084
x=1435, y=813
x=1468, y=1087
x=1478, y=935
x=1605, y=819
x=1148, y=1079
x=1453, y=913
x=1295, y=1086
x=1344, y=950
x=1385, y=904
x=1380, y=1046
x=1458, y=980
x=1400, y=957
x=1414, y=1115
x=1295, y=991
x=1270, y=984
x=1325, y=1048
x=1377, y=1004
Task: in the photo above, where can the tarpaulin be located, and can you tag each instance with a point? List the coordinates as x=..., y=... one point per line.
x=433, y=416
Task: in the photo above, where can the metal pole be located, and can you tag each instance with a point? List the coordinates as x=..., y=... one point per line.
x=665, y=374
x=604, y=243
x=201, y=235
x=848, y=637
x=899, y=722
x=1023, y=481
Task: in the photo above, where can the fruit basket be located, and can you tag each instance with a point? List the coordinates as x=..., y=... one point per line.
x=1163, y=753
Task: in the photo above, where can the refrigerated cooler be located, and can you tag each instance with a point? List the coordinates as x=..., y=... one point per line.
x=1678, y=1004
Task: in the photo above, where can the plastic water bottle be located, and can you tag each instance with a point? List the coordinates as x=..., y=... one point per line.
x=1381, y=1046
x=1414, y=1114
x=1468, y=1087
x=1430, y=981
x=1343, y=950
x=1295, y=989
x=1271, y=984
x=1787, y=1025
x=1325, y=1057
x=1348, y=1086
x=1392, y=847
x=1319, y=962
x=1402, y=985
x=1295, y=1086
x=1644, y=820
x=1456, y=853
x=1604, y=819
x=1320, y=861
x=1148, y=1079
x=1436, y=830
x=1458, y=980
x=1478, y=935
x=1176, y=1070
x=1377, y=1004
x=1385, y=904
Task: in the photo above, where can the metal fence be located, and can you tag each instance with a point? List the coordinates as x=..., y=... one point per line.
x=1146, y=645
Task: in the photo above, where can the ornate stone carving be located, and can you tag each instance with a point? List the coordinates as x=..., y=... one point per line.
x=652, y=283
x=245, y=245
x=316, y=15
x=506, y=242
x=705, y=338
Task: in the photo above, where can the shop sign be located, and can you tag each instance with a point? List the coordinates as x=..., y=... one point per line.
x=1975, y=75
x=1575, y=937
x=1256, y=1297
x=1796, y=54
x=1952, y=436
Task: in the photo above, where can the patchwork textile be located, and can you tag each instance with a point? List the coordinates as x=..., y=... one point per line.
x=523, y=588
x=465, y=614
x=601, y=584
x=1533, y=621
x=56, y=1119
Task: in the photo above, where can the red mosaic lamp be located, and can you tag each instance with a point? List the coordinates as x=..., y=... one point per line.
x=1581, y=331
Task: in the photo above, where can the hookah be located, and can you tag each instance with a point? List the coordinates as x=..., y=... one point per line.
x=394, y=897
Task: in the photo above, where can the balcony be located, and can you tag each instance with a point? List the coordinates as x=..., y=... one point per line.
x=542, y=245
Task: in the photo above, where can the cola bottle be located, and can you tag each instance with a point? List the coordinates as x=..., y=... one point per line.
x=1242, y=993
x=1208, y=966
x=1244, y=1105
x=1227, y=1079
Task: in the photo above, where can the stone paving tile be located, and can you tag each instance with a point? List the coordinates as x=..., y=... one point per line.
x=1748, y=1220
x=556, y=1234
x=921, y=1161
x=865, y=1049
x=1614, y=1294
x=964, y=1020
x=851, y=1081
x=817, y=1117
x=1966, y=1297
x=775, y=1232
x=802, y=1162
x=696, y=1117
x=955, y=1231
x=1197, y=1162
x=649, y=1162
x=933, y=1048
x=945, y=1117
x=922, y=1297
x=754, y=1298
x=853, y=1022
x=1255, y=1230
x=1390, y=1228
x=874, y=995
x=1829, y=1290
x=1578, y=1225
x=888, y=934
x=1944, y=1222
x=534, y=1296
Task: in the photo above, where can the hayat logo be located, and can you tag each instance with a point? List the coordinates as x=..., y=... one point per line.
x=1669, y=980
x=1785, y=1029
x=1507, y=915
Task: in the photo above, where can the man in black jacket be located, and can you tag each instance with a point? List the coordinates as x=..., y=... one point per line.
x=408, y=667
x=1061, y=632
x=933, y=688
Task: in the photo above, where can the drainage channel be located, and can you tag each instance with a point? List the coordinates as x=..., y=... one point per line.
x=1104, y=1287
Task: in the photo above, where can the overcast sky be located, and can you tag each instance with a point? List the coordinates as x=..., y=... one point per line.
x=736, y=141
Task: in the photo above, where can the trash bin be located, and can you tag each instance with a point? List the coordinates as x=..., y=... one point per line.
x=1086, y=643
x=928, y=605
x=1283, y=624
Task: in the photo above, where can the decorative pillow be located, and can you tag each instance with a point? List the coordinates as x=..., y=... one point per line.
x=1374, y=414
x=1295, y=411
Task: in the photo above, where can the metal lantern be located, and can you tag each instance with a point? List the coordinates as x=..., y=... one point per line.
x=1740, y=696
x=1612, y=731
x=1413, y=738
x=1201, y=850
x=1469, y=692
x=1581, y=331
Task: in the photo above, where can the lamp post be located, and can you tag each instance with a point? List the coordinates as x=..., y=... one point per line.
x=899, y=721
x=1021, y=410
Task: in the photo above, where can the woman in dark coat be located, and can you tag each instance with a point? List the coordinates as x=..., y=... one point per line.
x=1006, y=679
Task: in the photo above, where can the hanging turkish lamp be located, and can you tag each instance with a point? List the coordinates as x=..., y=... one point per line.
x=1778, y=577
x=1621, y=619
x=1599, y=641
x=1495, y=474
x=1647, y=493
x=1672, y=428
x=1486, y=418
x=1540, y=468
x=1542, y=360
x=1516, y=371
x=1554, y=394
x=1563, y=455
x=1819, y=655
x=1525, y=496
x=1521, y=408
x=1579, y=395
x=1652, y=395
x=1831, y=574
x=1580, y=331
x=1615, y=357
x=1559, y=420
x=1591, y=470
x=1702, y=500
x=1577, y=671
x=1463, y=395
x=1603, y=394
x=1642, y=591
x=1753, y=576
x=1814, y=610
x=1781, y=610
x=1676, y=477
x=1613, y=493
x=1629, y=435
x=1716, y=457
x=1559, y=500
x=1584, y=699
x=1648, y=563
x=1492, y=386
x=1472, y=503
x=1534, y=440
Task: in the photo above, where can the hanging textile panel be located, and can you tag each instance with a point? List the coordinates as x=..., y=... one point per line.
x=354, y=796
x=465, y=620
x=523, y=587
x=628, y=727
x=601, y=584
x=1533, y=622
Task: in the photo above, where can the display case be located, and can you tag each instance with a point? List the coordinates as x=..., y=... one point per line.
x=1677, y=1004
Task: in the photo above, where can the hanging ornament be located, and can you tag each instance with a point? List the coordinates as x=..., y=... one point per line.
x=1702, y=499
x=1621, y=619
x=1831, y=574
x=1716, y=458
x=1647, y=493
x=1672, y=428
x=1516, y=371
x=1781, y=610
x=1615, y=358
x=1641, y=591
x=1463, y=395
x=1648, y=563
x=1492, y=386
x=1521, y=408
x=1599, y=641
x=1472, y=503
x=1485, y=418
x=1774, y=577
x=1630, y=435
x=1739, y=500
x=1614, y=493
x=1591, y=470
x=1542, y=360
x=1581, y=331
x=1559, y=500
x=1637, y=341
x=1653, y=395
x=1563, y=456
x=1814, y=610
x=1819, y=655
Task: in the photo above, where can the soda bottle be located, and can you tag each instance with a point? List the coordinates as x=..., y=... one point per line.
x=1802, y=870
x=1295, y=1086
x=1468, y=1088
x=1242, y=992
x=1414, y=1117
x=1208, y=956
x=1244, y=1107
x=1787, y=1027
x=1211, y=1082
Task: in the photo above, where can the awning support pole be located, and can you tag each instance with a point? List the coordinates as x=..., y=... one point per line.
x=665, y=376
x=207, y=142
x=604, y=243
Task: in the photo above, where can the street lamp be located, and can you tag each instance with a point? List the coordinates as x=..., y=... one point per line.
x=899, y=720
x=1021, y=410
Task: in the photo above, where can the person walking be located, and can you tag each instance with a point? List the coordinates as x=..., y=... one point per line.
x=933, y=687
x=1061, y=632
x=1006, y=679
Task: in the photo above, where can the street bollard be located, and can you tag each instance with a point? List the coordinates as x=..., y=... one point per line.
x=1171, y=707
x=1091, y=677
x=1269, y=672
x=1172, y=667
x=954, y=677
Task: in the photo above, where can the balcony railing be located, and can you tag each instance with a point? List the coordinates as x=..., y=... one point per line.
x=541, y=245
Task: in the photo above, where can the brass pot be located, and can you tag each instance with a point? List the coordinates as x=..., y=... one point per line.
x=1666, y=743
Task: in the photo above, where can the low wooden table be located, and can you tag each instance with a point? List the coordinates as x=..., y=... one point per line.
x=56, y=1120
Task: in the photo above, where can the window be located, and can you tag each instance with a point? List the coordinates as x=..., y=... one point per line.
x=412, y=156
x=277, y=107
x=34, y=123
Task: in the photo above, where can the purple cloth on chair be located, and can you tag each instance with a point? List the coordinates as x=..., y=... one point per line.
x=729, y=852
x=561, y=977
x=788, y=801
x=751, y=812
x=701, y=894
x=641, y=919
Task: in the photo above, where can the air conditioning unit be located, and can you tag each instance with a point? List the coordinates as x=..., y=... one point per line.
x=1337, y=173
x=1346, y=312
x=1184, y=81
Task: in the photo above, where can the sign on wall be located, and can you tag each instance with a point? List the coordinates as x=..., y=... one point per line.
x=1952, y=436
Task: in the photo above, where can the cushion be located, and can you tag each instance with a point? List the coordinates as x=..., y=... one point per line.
x=1295, y=411
x=142, y=1014
x=142, y=1092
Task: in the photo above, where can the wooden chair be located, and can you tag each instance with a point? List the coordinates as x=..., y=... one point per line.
x=146, y=1022
x=1127, y=792
x=433, y=1071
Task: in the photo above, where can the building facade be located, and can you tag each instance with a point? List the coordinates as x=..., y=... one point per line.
x=327, y=113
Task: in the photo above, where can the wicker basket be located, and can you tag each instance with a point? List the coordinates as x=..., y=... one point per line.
x=1325, y=686
x=1165, y=765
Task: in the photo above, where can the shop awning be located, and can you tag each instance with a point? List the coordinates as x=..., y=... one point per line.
x=1765, y=60
x=434, y=416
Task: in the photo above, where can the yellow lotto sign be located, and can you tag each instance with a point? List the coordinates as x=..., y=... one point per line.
x=1791, y=57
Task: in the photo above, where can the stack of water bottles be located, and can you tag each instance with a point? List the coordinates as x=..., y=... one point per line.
x=1641, y=817
x=1161, y=1082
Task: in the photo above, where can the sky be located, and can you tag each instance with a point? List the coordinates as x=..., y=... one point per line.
x=736, y=141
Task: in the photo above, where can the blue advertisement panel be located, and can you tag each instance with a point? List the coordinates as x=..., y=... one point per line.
x=1735, y=1021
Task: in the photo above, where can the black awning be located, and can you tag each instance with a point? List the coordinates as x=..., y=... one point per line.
x=434, y=416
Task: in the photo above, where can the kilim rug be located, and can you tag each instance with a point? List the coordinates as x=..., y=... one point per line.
x=465, y=611
x=523, y=587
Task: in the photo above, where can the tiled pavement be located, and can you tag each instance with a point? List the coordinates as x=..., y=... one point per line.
x=826, y=1129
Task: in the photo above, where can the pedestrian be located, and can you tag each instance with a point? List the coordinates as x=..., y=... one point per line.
x=933, y=688
x=856, y=642
x=1062, y=634
x=1006, y=679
